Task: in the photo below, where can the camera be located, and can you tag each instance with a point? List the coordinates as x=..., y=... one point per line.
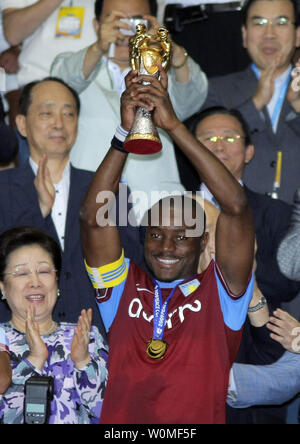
x=38, y=396
x=177, y=16
x=132, y=22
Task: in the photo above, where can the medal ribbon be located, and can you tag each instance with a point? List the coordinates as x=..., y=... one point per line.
x=160, y=309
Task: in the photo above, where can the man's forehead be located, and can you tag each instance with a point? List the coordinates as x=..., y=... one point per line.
x=51, y=93
x=169, y=228
x=224, y=122
x=131, y=7
x=274, y=7
x=177, y=214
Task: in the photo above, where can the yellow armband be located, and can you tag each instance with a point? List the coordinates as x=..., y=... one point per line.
x=109, y=275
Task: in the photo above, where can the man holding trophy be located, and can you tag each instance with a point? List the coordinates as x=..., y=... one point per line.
x=98, y=73
x=173, y=334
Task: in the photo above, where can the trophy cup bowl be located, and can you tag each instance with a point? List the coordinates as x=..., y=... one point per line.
x=146, y=52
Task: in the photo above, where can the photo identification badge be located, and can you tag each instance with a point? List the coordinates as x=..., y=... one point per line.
x=70, y=22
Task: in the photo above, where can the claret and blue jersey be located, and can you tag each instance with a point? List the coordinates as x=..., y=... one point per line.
x=203, y=331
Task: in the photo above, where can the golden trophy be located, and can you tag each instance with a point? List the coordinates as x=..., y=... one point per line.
x=146, y=52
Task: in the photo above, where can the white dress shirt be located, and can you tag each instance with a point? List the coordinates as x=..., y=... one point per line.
x=207, y=195
x=117, y=76
x=60, y=206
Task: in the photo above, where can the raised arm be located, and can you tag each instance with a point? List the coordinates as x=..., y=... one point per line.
x=234, y=231
x=20, y=23
x=101, y=244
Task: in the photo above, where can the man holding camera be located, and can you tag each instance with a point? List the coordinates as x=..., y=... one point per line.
x=98, y=73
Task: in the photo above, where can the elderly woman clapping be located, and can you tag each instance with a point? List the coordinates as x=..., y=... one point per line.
x=74, y=355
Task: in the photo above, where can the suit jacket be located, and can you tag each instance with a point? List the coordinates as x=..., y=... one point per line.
x=19, y=206
x=8, y=139
x=8, y=143
x=236, y=91
x=288, y=252
x=266, y=384
x=271, y=222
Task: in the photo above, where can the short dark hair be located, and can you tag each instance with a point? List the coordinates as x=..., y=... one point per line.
x=20, y=237
x=248, y=3
x=26, y=96
x=194, y=120
x=99, y=7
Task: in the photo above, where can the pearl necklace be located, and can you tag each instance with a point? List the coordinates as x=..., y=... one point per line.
x=52, y=327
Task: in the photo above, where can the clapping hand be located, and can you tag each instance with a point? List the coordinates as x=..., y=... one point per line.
x=80, y=345
x=285, y=330
x=38, y=350
x=293, y=94
x=266, y=84
x=44, y=187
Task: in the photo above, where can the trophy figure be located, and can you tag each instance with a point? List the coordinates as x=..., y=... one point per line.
x=146, y=52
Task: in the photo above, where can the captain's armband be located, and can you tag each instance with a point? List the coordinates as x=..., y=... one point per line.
x=109, y=275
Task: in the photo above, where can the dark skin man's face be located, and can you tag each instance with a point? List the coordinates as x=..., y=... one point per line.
x=169, y=253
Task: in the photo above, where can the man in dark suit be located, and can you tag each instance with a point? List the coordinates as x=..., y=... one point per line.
x=47, y=191
x=267, y=95
x=8, y=140
x=225, y=133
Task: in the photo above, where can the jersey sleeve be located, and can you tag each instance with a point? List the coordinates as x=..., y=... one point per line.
x=108, y=304
x=234, y=308
x=4, y=344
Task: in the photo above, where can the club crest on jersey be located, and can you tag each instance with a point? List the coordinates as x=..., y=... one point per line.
x=189, y=287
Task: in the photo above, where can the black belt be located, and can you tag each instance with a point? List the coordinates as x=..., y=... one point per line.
x=221, y=7
x=176, y=16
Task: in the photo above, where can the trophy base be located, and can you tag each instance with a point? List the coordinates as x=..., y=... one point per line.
x=142, y=144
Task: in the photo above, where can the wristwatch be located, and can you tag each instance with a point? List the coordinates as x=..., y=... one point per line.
x=262, y=302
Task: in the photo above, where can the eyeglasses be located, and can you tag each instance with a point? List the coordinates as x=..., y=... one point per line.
x=226, y=139
x=44, y=271
x=278, y=22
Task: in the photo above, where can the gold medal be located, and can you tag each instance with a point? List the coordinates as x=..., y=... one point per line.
x=156, y=349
